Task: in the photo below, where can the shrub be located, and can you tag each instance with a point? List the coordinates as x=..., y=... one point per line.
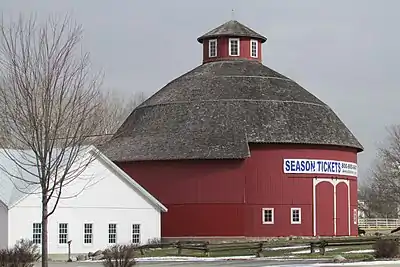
x=120, y=256
x=386, y=248
x=154, y=241
x=24, y=254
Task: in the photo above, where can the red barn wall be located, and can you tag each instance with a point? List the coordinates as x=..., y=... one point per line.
x=215, y=198
x=223, y=49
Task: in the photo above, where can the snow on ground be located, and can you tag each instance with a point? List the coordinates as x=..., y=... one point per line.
x=361, y=263
x=308, y=251
x=286, y=248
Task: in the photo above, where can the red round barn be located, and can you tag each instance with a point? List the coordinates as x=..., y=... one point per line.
x=235, y=149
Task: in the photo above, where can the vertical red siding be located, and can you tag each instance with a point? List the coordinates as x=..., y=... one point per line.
x=342, y=210
x=223, y=49
x=353, y=206
x=226, y=197
x=324, y=207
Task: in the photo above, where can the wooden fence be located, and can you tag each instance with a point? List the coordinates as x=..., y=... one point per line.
x=258, y=248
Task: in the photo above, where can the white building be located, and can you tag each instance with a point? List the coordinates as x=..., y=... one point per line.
x=111, y=209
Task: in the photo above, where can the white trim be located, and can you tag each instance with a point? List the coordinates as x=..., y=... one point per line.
x=272, y=215
x=120, y=173
x=58, y=234
x=130, y=180
x=83, y=235
x=291, y=215
x=212, y=41
x=238, y=46
x=252, y=41
x=108, y=233
x=334, y=182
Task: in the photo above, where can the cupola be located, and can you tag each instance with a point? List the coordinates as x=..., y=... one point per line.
x=232, y=40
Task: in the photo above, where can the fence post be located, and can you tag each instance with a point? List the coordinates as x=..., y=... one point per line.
x=322, y=247
x=312, y=247
x=259, y=250
x=179, y=246
x=141, y=250
x=206, y=249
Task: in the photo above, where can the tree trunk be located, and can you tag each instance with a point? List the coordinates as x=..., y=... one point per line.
x=45, y=251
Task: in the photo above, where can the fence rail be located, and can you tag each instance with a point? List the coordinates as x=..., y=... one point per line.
x=259, y=249
x=378, y=223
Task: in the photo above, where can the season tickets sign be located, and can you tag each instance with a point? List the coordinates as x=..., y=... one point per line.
x=319, y=166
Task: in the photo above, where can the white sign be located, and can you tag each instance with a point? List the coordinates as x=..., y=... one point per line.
x=319, y=166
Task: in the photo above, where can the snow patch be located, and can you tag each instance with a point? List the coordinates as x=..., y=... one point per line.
x=363, y=263
x=286, y=248
x=308, y=251
x=360, y=251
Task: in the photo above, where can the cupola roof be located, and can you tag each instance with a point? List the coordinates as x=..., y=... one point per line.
x=232, y=28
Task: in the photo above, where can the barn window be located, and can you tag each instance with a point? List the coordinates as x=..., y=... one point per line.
x=254, y=48
x=135, y=233
x=112, y=233
x=88, y=233
x=63, y=233
x=37, y=233
x=212, y=48
x=295, y=216
x=268, y=215
x=234, y=46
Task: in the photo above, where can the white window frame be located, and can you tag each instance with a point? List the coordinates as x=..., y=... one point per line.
x=59, y=234
x=87, y=235
x=272, y=210
x=292, y=217
x=230, y=46
x=37, y=233
x=251, y=48
x=136, y=234
x=355, y=216
x=110, y=233
x=215, y=42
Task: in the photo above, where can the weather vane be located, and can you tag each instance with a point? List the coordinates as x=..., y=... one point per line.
x=233, y=14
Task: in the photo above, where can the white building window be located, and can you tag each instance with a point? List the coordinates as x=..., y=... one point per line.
x=37, y=233
x=295, y=215
x=112, y=233
x=254, y=48
x=234, y=46
x=212, y=48
x=268, y=215
x=62, y=233
x=135, y=233
x=88, y=233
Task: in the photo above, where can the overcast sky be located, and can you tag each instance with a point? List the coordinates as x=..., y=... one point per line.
x=345, y=52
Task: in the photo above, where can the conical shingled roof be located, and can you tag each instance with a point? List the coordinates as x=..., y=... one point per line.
x=215, y=110
x=232, y=28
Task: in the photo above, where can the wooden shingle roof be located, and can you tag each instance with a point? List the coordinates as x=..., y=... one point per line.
x=232, y=28
x=215, y=110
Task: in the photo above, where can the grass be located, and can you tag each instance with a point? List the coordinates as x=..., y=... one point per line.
x=250, y=252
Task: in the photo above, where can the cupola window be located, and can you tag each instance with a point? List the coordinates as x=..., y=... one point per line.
x=212, y=48
x=254, y=48
x=234, y=46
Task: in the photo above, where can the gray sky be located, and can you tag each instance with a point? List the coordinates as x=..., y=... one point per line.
x=345, y=52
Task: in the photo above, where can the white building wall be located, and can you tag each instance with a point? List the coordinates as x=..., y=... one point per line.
x=106, y=199
x=3, y=226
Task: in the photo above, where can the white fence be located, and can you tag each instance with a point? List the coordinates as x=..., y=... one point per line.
x=378, y=224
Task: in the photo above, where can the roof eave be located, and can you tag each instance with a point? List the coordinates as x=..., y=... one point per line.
x=204, y=37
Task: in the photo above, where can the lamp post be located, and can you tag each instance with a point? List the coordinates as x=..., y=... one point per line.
x=69, y=251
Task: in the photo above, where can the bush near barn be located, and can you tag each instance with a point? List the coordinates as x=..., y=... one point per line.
x=24, y=254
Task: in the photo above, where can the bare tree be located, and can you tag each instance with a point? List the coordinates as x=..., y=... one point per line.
x=115, y=107
x=49, y=106
x=381, y=193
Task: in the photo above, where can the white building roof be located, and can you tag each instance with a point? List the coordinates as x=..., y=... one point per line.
x=16, y=183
